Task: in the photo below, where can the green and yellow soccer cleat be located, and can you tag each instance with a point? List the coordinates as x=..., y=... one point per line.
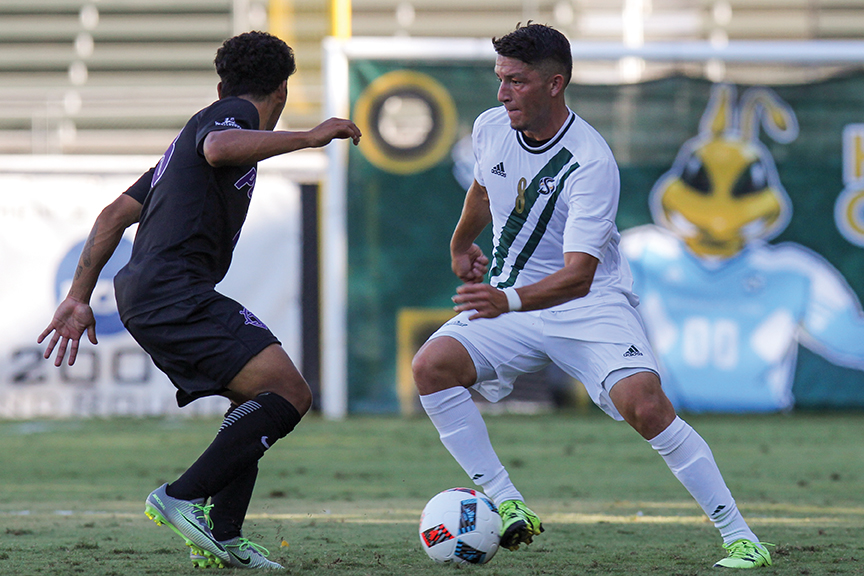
x=244, y=554
x=745, y=554
x=189, y=520
x=518, y=524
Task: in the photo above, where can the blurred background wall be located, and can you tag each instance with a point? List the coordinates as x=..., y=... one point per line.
x=122, y=76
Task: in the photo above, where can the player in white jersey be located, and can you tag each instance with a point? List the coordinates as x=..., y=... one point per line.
x=559, y=292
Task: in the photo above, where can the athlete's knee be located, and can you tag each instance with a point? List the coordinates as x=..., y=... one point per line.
x=284, y=414
x=304, y=398
x=297, y=392
x=272, y=371
x=643, y=404
x=440, y=364
x=652, y=415
x=427, y=371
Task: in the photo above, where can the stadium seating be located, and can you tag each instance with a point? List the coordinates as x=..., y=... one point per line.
x=98, y=76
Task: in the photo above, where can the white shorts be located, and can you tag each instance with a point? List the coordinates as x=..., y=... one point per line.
x=598, y=345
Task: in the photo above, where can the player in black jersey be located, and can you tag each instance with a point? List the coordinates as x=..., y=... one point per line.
x=191, y=207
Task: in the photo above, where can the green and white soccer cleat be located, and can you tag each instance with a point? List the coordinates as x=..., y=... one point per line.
x=246, y=554
x=745, y=554
x=189, y=520
x=518, y=524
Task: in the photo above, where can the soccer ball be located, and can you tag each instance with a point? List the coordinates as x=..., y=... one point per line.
x=460, y=525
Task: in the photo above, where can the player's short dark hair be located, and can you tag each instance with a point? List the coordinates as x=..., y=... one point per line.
x=253, y=63
x=540, y=46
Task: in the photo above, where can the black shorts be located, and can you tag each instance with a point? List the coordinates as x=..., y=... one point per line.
x=201, y=343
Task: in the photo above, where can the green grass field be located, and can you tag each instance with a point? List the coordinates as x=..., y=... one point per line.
x=343, y=498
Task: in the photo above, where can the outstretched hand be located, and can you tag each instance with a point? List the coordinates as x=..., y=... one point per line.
x=335, y=128
x=70, y=321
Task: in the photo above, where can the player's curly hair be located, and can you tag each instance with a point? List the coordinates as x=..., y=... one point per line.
x=540, y=46
x=253, y=63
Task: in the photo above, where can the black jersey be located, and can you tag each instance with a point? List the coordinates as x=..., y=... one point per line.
x=141, y=187
x=191, y=216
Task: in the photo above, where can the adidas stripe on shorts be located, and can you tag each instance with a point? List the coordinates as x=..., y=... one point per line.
x=588, y=343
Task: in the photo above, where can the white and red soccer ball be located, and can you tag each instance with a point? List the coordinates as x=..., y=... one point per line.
x=460, y=525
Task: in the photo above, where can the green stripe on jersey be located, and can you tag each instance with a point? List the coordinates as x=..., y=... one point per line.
x=538, y=231
x=516, y=220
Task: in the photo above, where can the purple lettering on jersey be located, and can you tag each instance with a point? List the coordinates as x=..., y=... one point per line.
x=163, y=163
x=248, y=179
x=252, y=320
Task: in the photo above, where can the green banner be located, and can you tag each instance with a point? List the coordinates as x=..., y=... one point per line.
x=755, y=189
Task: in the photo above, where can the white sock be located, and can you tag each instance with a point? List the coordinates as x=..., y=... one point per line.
x=691, y=461
x=463, y=432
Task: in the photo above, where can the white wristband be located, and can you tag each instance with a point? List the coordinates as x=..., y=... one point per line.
x=514, y=303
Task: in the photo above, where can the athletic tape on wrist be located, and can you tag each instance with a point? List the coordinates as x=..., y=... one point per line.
x=514, y=303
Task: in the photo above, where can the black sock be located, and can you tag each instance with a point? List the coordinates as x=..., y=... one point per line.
x=230, y=505
x=247, y=432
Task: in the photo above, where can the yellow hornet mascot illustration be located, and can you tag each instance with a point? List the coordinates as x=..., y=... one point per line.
x=725, y=309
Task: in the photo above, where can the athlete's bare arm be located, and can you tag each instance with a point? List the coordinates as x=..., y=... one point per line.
x=570, y=282
x=244, y=147
x=467, y=259
x=74, y=315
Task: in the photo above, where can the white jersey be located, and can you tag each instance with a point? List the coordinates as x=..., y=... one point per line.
x=556, y=197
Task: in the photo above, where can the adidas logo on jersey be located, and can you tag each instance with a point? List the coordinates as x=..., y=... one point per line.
x=633, y=351
x=498, y=170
